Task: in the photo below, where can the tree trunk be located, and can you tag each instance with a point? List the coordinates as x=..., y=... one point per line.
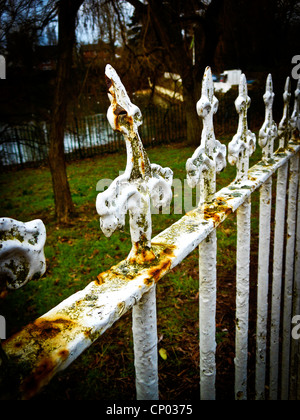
x=167, y=24
x=67, y=22
x=192, y=118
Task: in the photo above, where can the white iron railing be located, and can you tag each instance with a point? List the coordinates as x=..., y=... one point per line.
x=54, y=340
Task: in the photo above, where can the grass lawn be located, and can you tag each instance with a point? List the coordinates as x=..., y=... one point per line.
x=77, y=253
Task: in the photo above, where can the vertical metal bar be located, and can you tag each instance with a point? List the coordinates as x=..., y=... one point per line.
x=262, y=286
x=289, y=274
x=240, y=148
x=267, y=135
x=207, y=160
x=277, y=279
x=207, y=315
x=144, y=327
x=295, y=351
x=242, y=299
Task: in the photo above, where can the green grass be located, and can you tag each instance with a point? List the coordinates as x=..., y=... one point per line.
x=77, y=253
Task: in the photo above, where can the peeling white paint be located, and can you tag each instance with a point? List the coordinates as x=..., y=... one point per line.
x=285, y=126
x=21, y=251
x=284, y=132
x=242, y=299
x=243, y=143
x=141, y=182
x=268, y=132
x=208, y=159
x=133, y=191
x=277, y=278
x=289, y=274
x=145, y=346
x=240, y=149
x=295, y=117
x=267, y=136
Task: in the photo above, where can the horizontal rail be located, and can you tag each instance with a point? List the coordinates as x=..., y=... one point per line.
x=53, y=341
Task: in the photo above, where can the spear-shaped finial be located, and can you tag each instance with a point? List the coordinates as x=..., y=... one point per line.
x=268, y=132
x=210, y=157
x=284, y=128
x=141, y=181
x=243, y=143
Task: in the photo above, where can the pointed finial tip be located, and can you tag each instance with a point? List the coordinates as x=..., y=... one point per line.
x=108, y=68
x=243, y=89
x=269, y=84
x=207, y=84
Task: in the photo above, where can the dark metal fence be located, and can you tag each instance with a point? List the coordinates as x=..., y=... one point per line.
x=28, y=145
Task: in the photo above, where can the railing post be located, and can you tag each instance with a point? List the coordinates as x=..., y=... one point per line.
x=208, y=159
x=295, y=350
x=145, y=346
x=267, y=135
x=132, y=191
x=290, y=254
x=295, y=346
x=289, y=274
x=284, y=136
x=240, y=148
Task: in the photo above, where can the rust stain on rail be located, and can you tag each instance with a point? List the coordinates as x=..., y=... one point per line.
x=152, y=263
x=36, y=353
x=217, y=210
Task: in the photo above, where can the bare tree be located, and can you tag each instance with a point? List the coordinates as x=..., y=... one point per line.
x=35, y=13
x=183, y=36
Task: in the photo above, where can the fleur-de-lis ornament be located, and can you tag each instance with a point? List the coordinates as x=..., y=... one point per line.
x=141, y=181
x=284, y=128
x=268, y=131
x=210, y=157
x=243, y=143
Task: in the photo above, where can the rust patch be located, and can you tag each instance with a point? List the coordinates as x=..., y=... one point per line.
x=38, y=351
x=141, y=254
x=100, y=279
x=46, y=329
x=40, y=329
x=157, y=272
x=156, y=261
x=142, y=163
x=42, y=374
x=169, y=251
x=118, y=110
x=217, y=211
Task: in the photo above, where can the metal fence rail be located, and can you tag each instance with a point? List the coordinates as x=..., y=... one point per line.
x=49, y=344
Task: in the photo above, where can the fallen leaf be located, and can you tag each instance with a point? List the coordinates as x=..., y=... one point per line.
x=163, y=354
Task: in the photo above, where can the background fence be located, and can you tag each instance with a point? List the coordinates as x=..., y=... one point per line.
x=87, y=136
x=28, y=144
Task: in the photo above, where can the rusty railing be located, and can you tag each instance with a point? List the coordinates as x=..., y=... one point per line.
x=50, y=343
